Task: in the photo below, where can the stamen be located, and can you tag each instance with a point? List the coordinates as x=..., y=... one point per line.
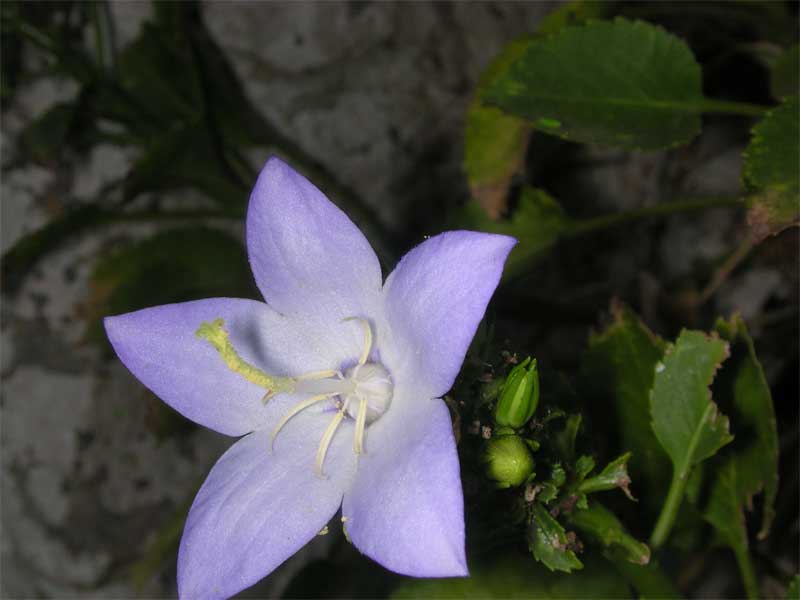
x=361, y=423
x=367, y=338
x=326, y=441
x=300, y=406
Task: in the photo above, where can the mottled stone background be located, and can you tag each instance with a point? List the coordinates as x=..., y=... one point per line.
x=376, y=92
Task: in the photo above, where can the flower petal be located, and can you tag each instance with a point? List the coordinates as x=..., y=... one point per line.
x=435, y=299
x=405, y=508
x=307, y=257
x=257, y=508
x=159, y=346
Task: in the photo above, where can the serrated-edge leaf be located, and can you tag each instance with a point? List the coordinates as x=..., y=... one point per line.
x=548, y=542
x=595, y=83
x=686, y=421
x=772, y=170
x=753, y=409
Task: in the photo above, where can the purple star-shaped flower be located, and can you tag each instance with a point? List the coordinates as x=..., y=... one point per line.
x=335, y=384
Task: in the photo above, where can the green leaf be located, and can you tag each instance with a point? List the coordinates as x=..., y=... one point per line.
x=602, y=526
x=772, y=170
x=537, y=223
x=514, y=578
x=621, y=83
x=686, y=421
x=755, y=451
x=614, y=475
x=750, y=464
x=548, y=542
x=785, y=74
x=494, y=142
x=172, y=266
x=617, y=372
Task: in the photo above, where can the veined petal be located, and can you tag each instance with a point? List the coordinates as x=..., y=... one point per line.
x=435, y=299
x=405, y=508
x=307, y=256
x=159, y=346
x=257, y=508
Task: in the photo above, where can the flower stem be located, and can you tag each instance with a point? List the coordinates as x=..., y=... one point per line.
x=670, y=509
x=668, y=208
x=746, y=569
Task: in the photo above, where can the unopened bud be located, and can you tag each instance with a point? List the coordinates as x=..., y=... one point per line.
x=508, y=460
x=520, y=395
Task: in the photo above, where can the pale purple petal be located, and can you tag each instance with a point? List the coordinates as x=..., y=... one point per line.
x=435, y=299
x=405, y=508
x=307, y=257
x=257, y=508
x=159, y=346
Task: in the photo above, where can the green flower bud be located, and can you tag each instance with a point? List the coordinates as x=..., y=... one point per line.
x=508, y=460
x=520, y=395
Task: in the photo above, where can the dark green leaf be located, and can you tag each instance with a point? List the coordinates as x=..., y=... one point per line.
x=537, y=223
x=620, y=83
x=772, y=170
x=184, y=158
x=686, y=421
x=785, y=74
x=751, y=466
x=599, y=524
x=513, y=578
x=44, y=138
x=618, y=372
x=548, y=542
x=172, y=266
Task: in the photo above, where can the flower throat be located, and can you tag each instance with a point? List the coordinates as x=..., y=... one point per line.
x=363, y=393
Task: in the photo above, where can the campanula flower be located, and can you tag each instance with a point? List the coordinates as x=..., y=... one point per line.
x=334, y=383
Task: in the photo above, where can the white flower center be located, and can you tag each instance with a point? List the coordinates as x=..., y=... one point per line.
x=363, y=394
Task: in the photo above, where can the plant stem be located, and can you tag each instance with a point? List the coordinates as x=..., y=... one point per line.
x=670, y=510
x=668, y=208
x=709, y=105
x=724, y=271
x=748, y=573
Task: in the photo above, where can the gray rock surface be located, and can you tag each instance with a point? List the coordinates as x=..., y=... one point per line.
x=376, y=92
